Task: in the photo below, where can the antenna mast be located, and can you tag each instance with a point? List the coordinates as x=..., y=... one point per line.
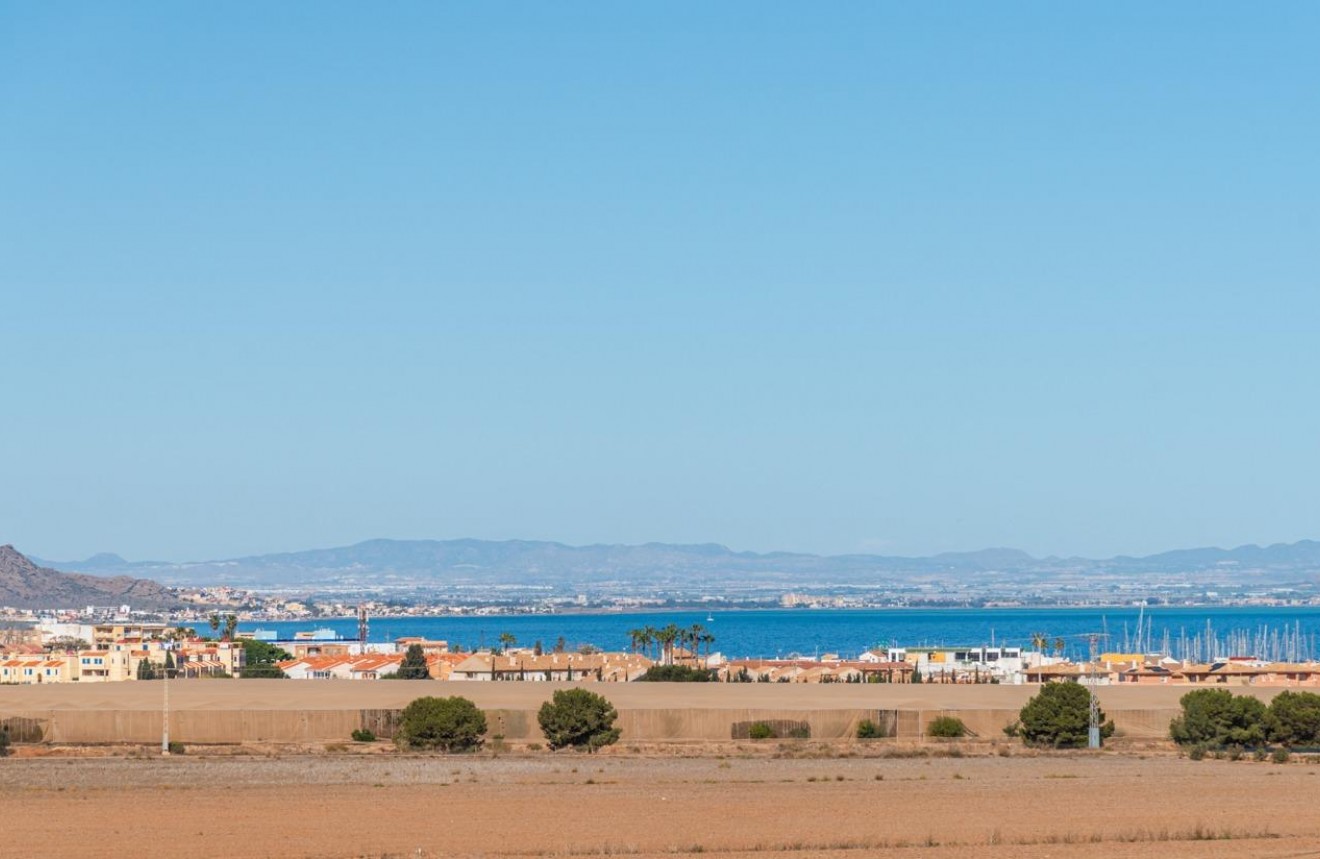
x=1093, y=680
x=1093, y=730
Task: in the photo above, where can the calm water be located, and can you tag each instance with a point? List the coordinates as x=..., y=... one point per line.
x=847, y=632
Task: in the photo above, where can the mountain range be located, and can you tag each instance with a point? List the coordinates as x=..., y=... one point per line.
x=379, y=563
x=24, y=584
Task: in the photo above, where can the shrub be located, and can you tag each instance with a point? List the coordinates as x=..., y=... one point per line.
x=1059, y=716
x=800, y=732
x=867, y=730
x=678, y=674
x=364, y=735
x=262, y=671
x=946, y=726
x=761, y=731
x=1293, y=718
x=1218, y=719
x=1197, y=752
x=449, y=724
x=1280, y=756
x=4, y=742
x=579, y=718
x=175, y=748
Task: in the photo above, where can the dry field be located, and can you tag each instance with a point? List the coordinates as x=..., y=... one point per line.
x=338, y=806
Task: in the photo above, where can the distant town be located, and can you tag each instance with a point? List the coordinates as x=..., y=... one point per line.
x=70, y=651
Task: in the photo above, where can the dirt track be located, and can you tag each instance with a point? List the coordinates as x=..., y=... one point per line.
x=334, y=807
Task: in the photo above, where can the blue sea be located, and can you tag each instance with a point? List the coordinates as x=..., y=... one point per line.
x=848, y=632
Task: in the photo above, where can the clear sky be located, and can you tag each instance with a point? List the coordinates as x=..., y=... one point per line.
x=843, y=277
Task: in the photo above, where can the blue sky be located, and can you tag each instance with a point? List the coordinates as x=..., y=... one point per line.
x=900, y=278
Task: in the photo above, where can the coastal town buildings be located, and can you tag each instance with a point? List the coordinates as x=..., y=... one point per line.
x=529, y=666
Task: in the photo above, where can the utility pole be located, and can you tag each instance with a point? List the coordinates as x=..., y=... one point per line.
x=165, y=713
x=1093, y=730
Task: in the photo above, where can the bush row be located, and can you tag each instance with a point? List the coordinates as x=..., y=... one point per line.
x=1218, y=719
x=575, y=718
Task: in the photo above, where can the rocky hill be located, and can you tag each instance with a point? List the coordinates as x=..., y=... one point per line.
x=23, y=584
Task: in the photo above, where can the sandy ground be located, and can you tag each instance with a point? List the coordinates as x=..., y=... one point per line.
x=334, y=807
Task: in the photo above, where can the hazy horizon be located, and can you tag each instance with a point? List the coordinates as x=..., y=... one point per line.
x=864, y=278
x=342, y=545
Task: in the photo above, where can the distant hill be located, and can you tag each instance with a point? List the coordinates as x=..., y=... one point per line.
x=485, y=562
x=23, y=584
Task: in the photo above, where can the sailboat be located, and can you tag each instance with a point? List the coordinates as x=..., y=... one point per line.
x=710, y=618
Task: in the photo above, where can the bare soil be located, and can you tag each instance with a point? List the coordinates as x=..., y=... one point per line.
x=340, y=806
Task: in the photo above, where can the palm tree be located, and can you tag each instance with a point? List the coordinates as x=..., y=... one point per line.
x=667, y=638
x=507, y=640
x=1059, y=646
x=694, y=638
x=640, y=637
x=231, y=624
x=1040, y=640
x=708, y=639
x=214, y=621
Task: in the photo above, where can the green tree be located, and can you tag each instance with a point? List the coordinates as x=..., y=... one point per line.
x=578, y=718
x=1217, y=718
x=145, y=670
x=1293, y=719
x=507, y=640
x=214, y=622
x=449, y=724
x=258, y=652
x=413, y=666
x=4, y=742
x=231, y=626
x=171, y=668
x=261, y=660
x=1060, y=716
